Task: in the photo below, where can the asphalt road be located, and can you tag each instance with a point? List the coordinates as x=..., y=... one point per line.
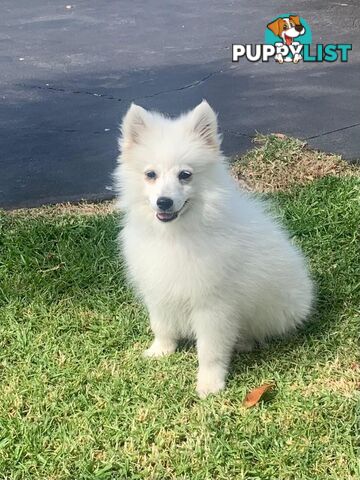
x=67, y=76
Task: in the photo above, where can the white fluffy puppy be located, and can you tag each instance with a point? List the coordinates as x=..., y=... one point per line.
x=205, y=258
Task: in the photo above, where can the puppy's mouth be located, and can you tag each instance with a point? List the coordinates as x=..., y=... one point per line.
x=288, y=39
x=169, y=216
x=166, y=217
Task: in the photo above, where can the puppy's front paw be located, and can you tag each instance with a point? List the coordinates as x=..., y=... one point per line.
x=160, y=349
x=209, y=383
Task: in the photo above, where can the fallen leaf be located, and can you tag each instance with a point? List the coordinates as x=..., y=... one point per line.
x=253, y=397
x=282, y=136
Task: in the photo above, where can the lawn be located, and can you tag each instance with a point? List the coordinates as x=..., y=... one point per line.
x=79, y=402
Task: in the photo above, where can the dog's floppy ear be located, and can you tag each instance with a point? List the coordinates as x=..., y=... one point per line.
x=276, y=26
x=203, y=122
x=295, y=19
x=134, y=124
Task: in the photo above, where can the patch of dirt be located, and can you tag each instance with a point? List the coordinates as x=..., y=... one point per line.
x=82, y=208
x=279, y=162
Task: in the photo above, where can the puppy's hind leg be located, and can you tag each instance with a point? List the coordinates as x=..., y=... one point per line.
x=164, y=328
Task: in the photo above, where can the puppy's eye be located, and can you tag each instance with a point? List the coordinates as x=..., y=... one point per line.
x=150, y=174
x=184, y=175
x=285, y=27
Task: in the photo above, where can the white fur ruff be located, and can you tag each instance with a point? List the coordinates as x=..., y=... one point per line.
x=223, y=272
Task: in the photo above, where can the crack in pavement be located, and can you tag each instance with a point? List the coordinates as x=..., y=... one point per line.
x=329, y=132
x=63, y=90
x=347, y=127
x=238, y=134
x=68, y=130
x=118, y=99
x=193, y=84
x=184, y=87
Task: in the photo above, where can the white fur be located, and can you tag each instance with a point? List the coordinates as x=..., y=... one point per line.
x=223, y=272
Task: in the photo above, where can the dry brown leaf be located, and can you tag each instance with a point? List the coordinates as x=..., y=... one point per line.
x=253, y=397
x=279, y=135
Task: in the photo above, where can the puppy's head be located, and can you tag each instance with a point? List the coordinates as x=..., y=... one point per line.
x=163, y=160
x=287, y=28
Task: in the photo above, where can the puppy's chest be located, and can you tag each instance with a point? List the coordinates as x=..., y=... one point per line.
x=172, y=268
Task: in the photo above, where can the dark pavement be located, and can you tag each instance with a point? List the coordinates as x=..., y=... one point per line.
x=67, y=76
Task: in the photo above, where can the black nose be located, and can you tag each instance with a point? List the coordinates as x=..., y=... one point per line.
x=298, y=28
x=164, y=203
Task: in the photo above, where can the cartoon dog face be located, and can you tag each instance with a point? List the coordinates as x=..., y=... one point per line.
x=287, y=28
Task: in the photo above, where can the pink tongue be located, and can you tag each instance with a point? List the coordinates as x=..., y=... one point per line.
x=164, y=216
x=288, y=40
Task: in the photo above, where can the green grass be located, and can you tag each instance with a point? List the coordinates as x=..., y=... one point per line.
x=77, y=400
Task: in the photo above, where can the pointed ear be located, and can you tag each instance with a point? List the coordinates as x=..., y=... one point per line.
x=203, y=122
x=295, y=19
x=134, y=124
x=276, y=26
